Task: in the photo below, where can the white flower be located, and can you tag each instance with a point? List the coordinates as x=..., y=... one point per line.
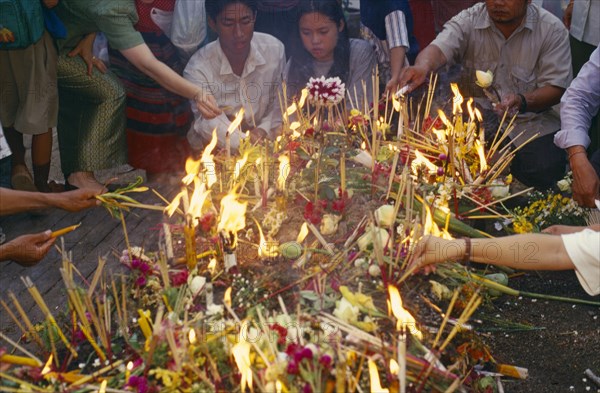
x=484, y=79
x=196, y=284
x=214, y=309
x=345, y=311
x=499, y=189
x=329, y=224
x=374, y=270
x=367, y=239
x=385, y=215
x=326, y=91
x=564, y=185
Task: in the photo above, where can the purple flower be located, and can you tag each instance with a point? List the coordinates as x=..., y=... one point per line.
x=325, y=361
x=292, y=368
x=141, y=281
x=307, y=388
x=135, y=263
x=144, y=267
x=140, y=384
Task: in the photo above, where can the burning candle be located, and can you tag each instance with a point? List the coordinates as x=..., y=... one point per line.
x=374, y=379
x=128, y=371
x=189, y=231
x=402, y=360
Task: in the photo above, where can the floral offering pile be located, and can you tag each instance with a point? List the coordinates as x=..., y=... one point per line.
x=286, y=266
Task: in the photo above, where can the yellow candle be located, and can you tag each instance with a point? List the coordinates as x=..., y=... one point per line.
x=143, y=323
x=19, y=360
x=189, y=232
x=64, y=231
x=128, y=371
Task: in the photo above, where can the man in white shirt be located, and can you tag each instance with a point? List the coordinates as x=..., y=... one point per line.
x=242, y=69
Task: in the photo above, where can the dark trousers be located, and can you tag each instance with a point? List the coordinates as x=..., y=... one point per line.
x=5, y=172
x=539, y=163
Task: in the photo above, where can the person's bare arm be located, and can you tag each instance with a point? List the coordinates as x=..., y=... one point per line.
x=430, y=59
x=13, y=201
x=397, y=57
x=141, y=57
x=527, y=252
x=537, y=100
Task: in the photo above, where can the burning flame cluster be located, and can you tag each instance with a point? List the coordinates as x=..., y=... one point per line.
x=202, y=175
x=461, y=143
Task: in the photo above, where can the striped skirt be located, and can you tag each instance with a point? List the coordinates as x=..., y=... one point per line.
x=157, y=120
x=91, y=118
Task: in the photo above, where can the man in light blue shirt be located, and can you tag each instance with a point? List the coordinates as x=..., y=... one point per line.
x=579, y=105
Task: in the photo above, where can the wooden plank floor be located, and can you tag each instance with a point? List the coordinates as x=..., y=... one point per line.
x=100, y=235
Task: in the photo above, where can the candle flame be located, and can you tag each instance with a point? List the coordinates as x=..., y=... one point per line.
x=227, y=297
x=458, y=99
x=266, y=249
x=239, y=165
x=284, y=171
x=130, y=366
x=236, y=122
x=241, y=354
x=430, y=227
x=232, y=215
x=212, y=265
x=278, y=386
x=208, y=162
x=363, y=145
x=441, y=135
x=470, y=109
x=192, y=167
x=198, y=198
x=482, y=161
x=303, y=98
x=48, y=366
x=396, y=103
x=419, y=160
x=403, y=317
x=191, y=337
x=170, y=209
x=394, y=367
x=303, y=233
x=291, y=109
x=374, y=379
x=478, y=114
x=444, y=119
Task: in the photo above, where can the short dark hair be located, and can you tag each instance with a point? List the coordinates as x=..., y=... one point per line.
x=215, y=7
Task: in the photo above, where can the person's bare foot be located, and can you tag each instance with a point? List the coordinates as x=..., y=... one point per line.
x=86, y=180
x=21, y=179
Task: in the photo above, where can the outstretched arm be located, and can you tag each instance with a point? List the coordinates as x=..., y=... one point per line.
x=527, y=252
x=430, y=59
x=141, y=57
x=13, y=201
